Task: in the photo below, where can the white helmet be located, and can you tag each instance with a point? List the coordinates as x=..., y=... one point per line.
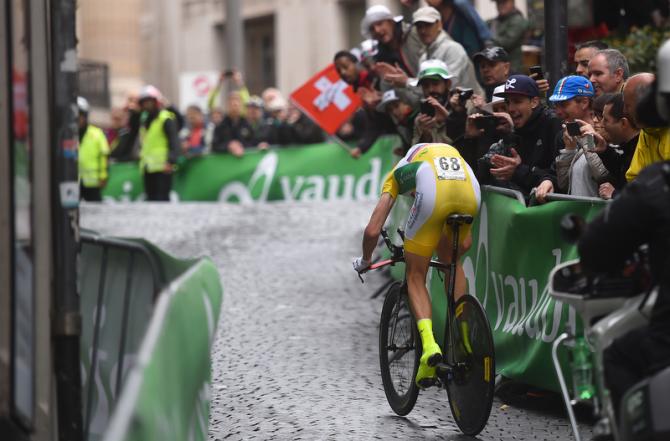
x=82, y=104
x=150, y=92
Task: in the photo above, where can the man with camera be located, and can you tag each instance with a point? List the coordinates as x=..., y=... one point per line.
x=403, y=116
x=494, y=68
x=528, y=164
x=443, y=112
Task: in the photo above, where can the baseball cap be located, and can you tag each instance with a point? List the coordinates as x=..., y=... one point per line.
x=373, y=15
x=495, y=99
x=495, y=53
x=431, y=68
x=255, y=101
x=570, y=87
x=388, y=97
x=519, y=85
x=427, y=14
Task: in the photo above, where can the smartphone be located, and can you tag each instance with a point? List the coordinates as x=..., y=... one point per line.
x=228, y=73
x=574, y=129
x=488, y=123
x=426, y=108
x=537, y=70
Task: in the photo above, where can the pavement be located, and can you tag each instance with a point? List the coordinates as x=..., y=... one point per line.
x=296, y=354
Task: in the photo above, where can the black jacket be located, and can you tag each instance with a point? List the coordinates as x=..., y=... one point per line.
x=641, y=214
x=617, y=162
x=229, y=130
x=537, y=150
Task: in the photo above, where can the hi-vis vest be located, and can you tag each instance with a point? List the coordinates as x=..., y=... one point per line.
x=92, y=157
x=155, y=144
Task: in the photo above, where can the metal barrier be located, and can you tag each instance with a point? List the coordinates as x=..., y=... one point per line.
x=553, y=197
x=158, y=280
x=515, y=194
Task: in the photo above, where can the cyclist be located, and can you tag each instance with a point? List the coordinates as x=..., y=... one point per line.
x=442, y=184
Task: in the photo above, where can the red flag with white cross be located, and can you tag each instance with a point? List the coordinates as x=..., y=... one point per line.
x=327, y=99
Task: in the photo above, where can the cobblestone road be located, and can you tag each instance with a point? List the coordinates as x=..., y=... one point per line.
x=296, y=352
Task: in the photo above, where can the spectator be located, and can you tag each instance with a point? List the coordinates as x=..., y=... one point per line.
x=234, y=133
x=365, y=83
x=477, y=139
x=608, y=70
x=598, y=108
x=529, y=164
x=398, y=44
x=92, y=156
x=624, y=134
x=300, y=129
x=120, y=137
x=402, y=114
x=448, y=120
x=509, y=30
x=494, y=68
x=196, y=137
x=438, y=46
x=583, y=54
x=237, y=85
x=460, y=20
x=159, y=145
x=216, y=115
x=262, y=130
x=579, y=169
x=654, y=142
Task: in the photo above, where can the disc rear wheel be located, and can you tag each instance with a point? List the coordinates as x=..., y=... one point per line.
x=470, y=388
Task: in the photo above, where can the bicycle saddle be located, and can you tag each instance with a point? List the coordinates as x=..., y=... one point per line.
x=459, y=219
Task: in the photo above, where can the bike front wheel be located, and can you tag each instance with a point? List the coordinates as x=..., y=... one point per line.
x=399, y=351
x=470, y=387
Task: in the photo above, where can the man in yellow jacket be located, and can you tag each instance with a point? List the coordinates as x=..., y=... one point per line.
x=92, y=157
x=654, y=142
x=159, y=145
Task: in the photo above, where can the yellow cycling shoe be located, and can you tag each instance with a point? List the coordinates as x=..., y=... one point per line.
x=426, y=376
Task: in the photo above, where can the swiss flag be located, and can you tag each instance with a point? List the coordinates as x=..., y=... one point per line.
x=326, y=99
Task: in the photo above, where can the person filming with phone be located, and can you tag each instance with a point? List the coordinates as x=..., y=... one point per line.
x=442, y=112
x=579, y=168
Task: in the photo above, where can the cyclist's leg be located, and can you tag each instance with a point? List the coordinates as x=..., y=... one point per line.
x=444, y=252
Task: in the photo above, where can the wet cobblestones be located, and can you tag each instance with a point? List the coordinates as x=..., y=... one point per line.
x=296, y=353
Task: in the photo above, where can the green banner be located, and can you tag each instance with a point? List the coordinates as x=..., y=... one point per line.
x=319, y=172
x=166, y=396
x=507, y=268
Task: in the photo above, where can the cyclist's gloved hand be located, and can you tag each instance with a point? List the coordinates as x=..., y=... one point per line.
x=360, y=264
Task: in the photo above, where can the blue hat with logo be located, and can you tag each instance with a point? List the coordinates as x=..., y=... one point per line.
x=520, y=85
x=570, y=87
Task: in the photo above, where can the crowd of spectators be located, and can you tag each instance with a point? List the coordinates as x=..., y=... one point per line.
x=446, y=76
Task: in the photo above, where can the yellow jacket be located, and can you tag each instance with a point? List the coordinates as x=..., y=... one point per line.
x=652, y=146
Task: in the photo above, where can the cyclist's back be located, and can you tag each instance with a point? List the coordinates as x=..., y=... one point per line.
x=443, y=184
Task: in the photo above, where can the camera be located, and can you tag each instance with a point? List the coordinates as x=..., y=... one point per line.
x=502, y=147
x=486, y=122
x=464, y=94
x=426, y=108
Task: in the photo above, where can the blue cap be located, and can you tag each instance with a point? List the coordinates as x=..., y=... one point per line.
x=570, y=87
x=520, y=85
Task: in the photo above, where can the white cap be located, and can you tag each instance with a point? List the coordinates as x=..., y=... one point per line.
x=277, y=103
x=496, y=99
x=373, y=15
x=431, y=68
x=388, y=97
x=82, y=104
x=427, y=14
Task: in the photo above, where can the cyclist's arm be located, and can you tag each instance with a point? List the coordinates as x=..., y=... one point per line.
x=376, y=224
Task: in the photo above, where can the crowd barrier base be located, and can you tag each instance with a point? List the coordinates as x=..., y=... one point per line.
x=148, y=322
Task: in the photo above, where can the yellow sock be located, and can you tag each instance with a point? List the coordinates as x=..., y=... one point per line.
x=426, y=331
